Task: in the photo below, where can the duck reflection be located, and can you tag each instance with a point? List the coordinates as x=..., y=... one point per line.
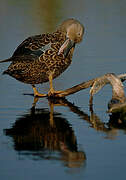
x=44, y=134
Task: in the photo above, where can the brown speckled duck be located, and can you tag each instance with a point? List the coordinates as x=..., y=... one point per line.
x=42, y=58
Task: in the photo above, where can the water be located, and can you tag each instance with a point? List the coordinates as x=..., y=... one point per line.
x=63, y=139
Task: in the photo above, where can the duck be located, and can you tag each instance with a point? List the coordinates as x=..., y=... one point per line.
x=41, y=58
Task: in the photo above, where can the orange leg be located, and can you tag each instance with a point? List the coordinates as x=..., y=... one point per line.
x=36, y=93
x=52, y=91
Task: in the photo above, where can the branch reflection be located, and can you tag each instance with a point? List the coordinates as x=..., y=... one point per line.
x=45, y=134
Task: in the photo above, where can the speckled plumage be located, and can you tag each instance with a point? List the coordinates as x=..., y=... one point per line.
x=40, y=56
x=32, y=65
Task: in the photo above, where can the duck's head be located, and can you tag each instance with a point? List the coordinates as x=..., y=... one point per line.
x=74, y=31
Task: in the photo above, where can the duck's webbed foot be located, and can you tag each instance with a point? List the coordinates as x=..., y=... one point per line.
x=53, y=93
x=36, y=93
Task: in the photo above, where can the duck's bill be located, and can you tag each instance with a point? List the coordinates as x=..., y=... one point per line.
x=65, y=48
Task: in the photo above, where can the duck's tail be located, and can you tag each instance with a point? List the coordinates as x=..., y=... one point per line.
x=5, y=60
x=5, y=72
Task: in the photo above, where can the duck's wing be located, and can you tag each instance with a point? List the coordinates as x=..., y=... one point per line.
x=33, y=47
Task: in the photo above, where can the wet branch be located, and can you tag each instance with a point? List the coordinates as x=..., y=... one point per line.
x=85, y=85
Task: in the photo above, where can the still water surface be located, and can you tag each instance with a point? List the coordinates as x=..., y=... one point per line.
x=63, y=139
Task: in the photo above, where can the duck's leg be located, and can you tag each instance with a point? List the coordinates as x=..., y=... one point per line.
x=36, y=93
x=35, y=101
x=51, y=114
x=52, y=91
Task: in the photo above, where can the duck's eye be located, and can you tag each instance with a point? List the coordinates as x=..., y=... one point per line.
x=79, y=34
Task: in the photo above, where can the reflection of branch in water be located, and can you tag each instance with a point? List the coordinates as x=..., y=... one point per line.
x=44, y=134
x=118, y=120
x=93, y=119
